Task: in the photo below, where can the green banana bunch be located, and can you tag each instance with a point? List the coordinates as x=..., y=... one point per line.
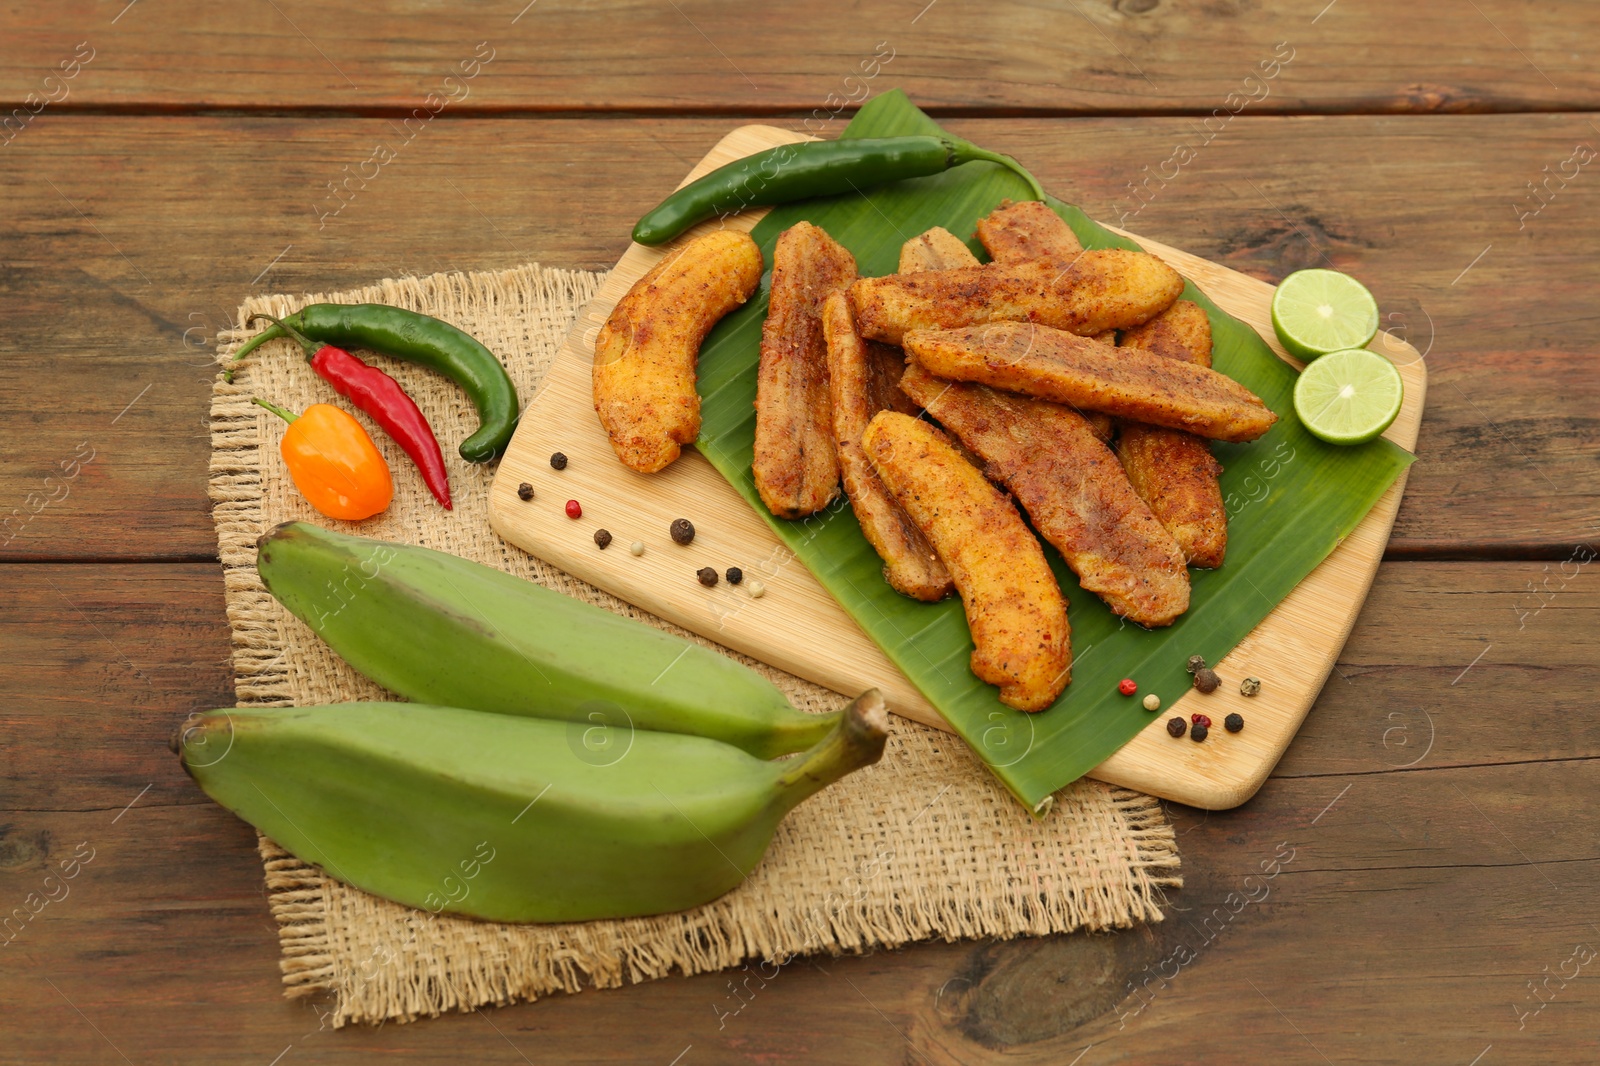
x=438, y=629
x=493, y=816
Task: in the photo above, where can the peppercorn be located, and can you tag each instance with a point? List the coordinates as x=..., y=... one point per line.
x=1233, y=723
x=682, y=530
x=574, y=509
x=1177, y=727
x=637, y=547
x=707, y=576
x=559, y=460
x=1201, y=719
x=602, y=538
x=1127, y=686
x=1205, y=679
x=1152, y=702
x=524, y=491
x=757, y=590
x=1250, y=686
x=1198, y=732
x=1196, y=662
x=735, y=575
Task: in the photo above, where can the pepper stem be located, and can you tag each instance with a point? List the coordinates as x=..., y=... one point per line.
x=966, y=152
x=270, y=333
x=287, y=416
x=310, y=346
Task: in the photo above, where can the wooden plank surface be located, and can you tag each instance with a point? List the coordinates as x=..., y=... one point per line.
x=1433, y=874
x=802, y=629
x=1438, y=802
x=1089, y=56
x=182, y=217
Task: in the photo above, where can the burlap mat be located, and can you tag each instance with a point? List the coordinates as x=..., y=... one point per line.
x=923, y=845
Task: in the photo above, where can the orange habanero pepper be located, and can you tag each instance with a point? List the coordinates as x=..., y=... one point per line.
x=333, y=462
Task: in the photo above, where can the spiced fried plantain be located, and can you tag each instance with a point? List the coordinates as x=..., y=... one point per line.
x=796, y=463
x=863, y=379
x=1173, y=471
x=937, y=249
x=1072, y=488
x=644, y=356
x=1100, y=290
x=1014, y=607
x=1018, y=232
x=1088, y=374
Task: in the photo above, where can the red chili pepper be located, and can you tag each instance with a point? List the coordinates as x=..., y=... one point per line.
x=382, y=398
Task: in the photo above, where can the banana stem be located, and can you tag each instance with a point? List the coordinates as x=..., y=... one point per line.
x=855, y=742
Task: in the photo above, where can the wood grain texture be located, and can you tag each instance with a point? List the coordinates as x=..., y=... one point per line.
x=1458, y=864
x=1128, y=56
x=1428, y=895
x=180, y=218
x=800, y=628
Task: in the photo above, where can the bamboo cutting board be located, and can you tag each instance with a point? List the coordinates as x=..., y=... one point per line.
x=797, y=626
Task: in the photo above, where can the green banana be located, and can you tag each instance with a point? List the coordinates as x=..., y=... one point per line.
x=493, y=816
x=438, y=629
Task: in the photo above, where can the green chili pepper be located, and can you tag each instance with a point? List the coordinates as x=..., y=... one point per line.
x=416, y=339
x=816, y=168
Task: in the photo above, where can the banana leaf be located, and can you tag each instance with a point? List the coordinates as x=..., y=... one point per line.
x=1291, y=498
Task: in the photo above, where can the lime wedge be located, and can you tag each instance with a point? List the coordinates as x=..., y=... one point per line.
x=1348, y=397
x=1315, y=312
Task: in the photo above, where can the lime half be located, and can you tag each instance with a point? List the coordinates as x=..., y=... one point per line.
x=1348, y=397
x=1319, y=311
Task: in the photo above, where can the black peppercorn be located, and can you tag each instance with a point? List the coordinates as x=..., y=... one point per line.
x=559, y=460
x=524, y=491
x=1233, y=723
x=1177, y=726
x=682, y=530
x=602, y=538
x=707, y=576
x=735, y=575
x=1196, y=662
x=1205, y=679
x=1198, y=732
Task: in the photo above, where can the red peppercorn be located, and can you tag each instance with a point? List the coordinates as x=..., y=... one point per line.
x=1201, y=719
x=1128, y=686
x=574, y=510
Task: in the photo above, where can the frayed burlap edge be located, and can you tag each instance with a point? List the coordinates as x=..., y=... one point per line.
x=1101, y=861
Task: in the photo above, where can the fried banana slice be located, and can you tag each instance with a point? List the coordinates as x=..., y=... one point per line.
x=1073, y=489
x=937, y=249
x=1088, y=374
x=1100, y=290
x=644, y=357
x=1173, y=471
x=796, y=465
x=1018, y=232
x=1014, y=607
x=856, y=385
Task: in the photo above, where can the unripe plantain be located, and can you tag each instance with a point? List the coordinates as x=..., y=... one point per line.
x=439, y=629
x=498, y=817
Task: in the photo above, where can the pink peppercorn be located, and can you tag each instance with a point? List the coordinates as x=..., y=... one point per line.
x=574, y=510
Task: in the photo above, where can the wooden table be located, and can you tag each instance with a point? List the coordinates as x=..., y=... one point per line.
x=1434, y=821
